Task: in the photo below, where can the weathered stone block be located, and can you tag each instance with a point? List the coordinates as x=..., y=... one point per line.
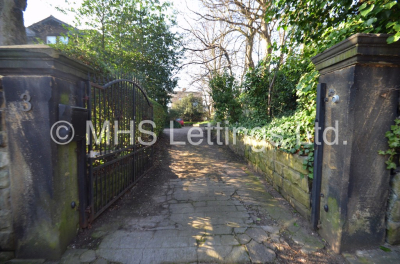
x=287, y=187
x=291, y=175
x=267, y=160
x=3, y=139
x=300, y=208
x=5, y=220
x=278, y=180
x=247, y=151
x=257, y=158
x=240, y=146
x=270, y=164
x=301, y=196
x=285, y=194
x=304, y=184
x=395, y=212
x=270, y=174
x=393, y=233
x=262, y=166
x=396, y=184
x=305, y=211
x=232, y=148
x=6, y=255
x=6, y=240
x=279, y=168
x=290, y=160
x=5, y=199
x=252, y=156
x=4, y=179
x=269, y=152
x=4, y=160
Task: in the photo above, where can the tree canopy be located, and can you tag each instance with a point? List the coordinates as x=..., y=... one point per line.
x=129, y=36
x=190, y=108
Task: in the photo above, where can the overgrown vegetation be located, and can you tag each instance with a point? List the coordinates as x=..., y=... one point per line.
x=225, y=93
x=393, y=137
x=190, y=108
x=279, y=94
x=159, y=117
x=129, y=36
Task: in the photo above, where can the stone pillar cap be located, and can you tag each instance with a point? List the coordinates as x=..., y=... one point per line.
x=39, y=58
x=360, y=48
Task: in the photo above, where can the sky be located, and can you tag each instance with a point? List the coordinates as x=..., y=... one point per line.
x=38, y=10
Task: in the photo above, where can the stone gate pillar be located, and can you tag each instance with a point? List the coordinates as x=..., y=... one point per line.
x=362, y=77
x=44, y=196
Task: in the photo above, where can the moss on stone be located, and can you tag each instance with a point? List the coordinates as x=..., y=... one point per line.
x=67, y=218
x=334, y=215
x=64, y=98
x=393, y=233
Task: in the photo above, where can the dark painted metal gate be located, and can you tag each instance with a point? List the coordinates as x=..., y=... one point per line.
x=318, y=151
x=119, y=158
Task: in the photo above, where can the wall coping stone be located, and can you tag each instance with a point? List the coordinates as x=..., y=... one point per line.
x=358, y=49
x=39, y=58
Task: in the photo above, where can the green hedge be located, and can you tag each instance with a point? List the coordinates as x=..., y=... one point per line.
x=176, y=124
x=159, y=116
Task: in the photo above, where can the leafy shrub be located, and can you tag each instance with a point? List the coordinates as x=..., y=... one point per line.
x=269, y=92
x=173, y=114
x=176, y=124
x=225, y=94
x=189, y=108
x=393, y=137
x=287, y=116
x=159, y=117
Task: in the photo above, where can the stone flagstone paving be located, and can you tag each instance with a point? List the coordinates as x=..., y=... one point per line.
x=200, y=205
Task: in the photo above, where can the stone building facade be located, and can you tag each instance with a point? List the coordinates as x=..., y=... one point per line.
x=49, y=30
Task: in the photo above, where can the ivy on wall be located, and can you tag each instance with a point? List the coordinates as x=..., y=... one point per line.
x=393, y=137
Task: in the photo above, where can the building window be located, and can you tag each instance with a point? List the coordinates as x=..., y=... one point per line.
x=51, y=40
x=63, y=40
x=54, y=39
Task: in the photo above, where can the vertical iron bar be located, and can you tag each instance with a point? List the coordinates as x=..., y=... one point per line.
x=152, y=129
x=89, y=159
x=83, y=170
x=318, y=152
x=134, y=132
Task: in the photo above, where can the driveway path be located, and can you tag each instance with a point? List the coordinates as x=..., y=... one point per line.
x=199, y=204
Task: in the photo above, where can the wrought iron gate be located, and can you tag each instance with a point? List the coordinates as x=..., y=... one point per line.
x=116, y=161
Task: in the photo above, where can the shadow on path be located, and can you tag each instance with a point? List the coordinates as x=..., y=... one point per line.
x=199, y=204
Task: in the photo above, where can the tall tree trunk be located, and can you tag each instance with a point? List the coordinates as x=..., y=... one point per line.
x=249, y=50
x=265, y=32
x=266, y=37
x=12, y=30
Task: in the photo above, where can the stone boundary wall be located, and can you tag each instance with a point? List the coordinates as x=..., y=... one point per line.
x=283, y=170
x=393, y=213
x=6, y=228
